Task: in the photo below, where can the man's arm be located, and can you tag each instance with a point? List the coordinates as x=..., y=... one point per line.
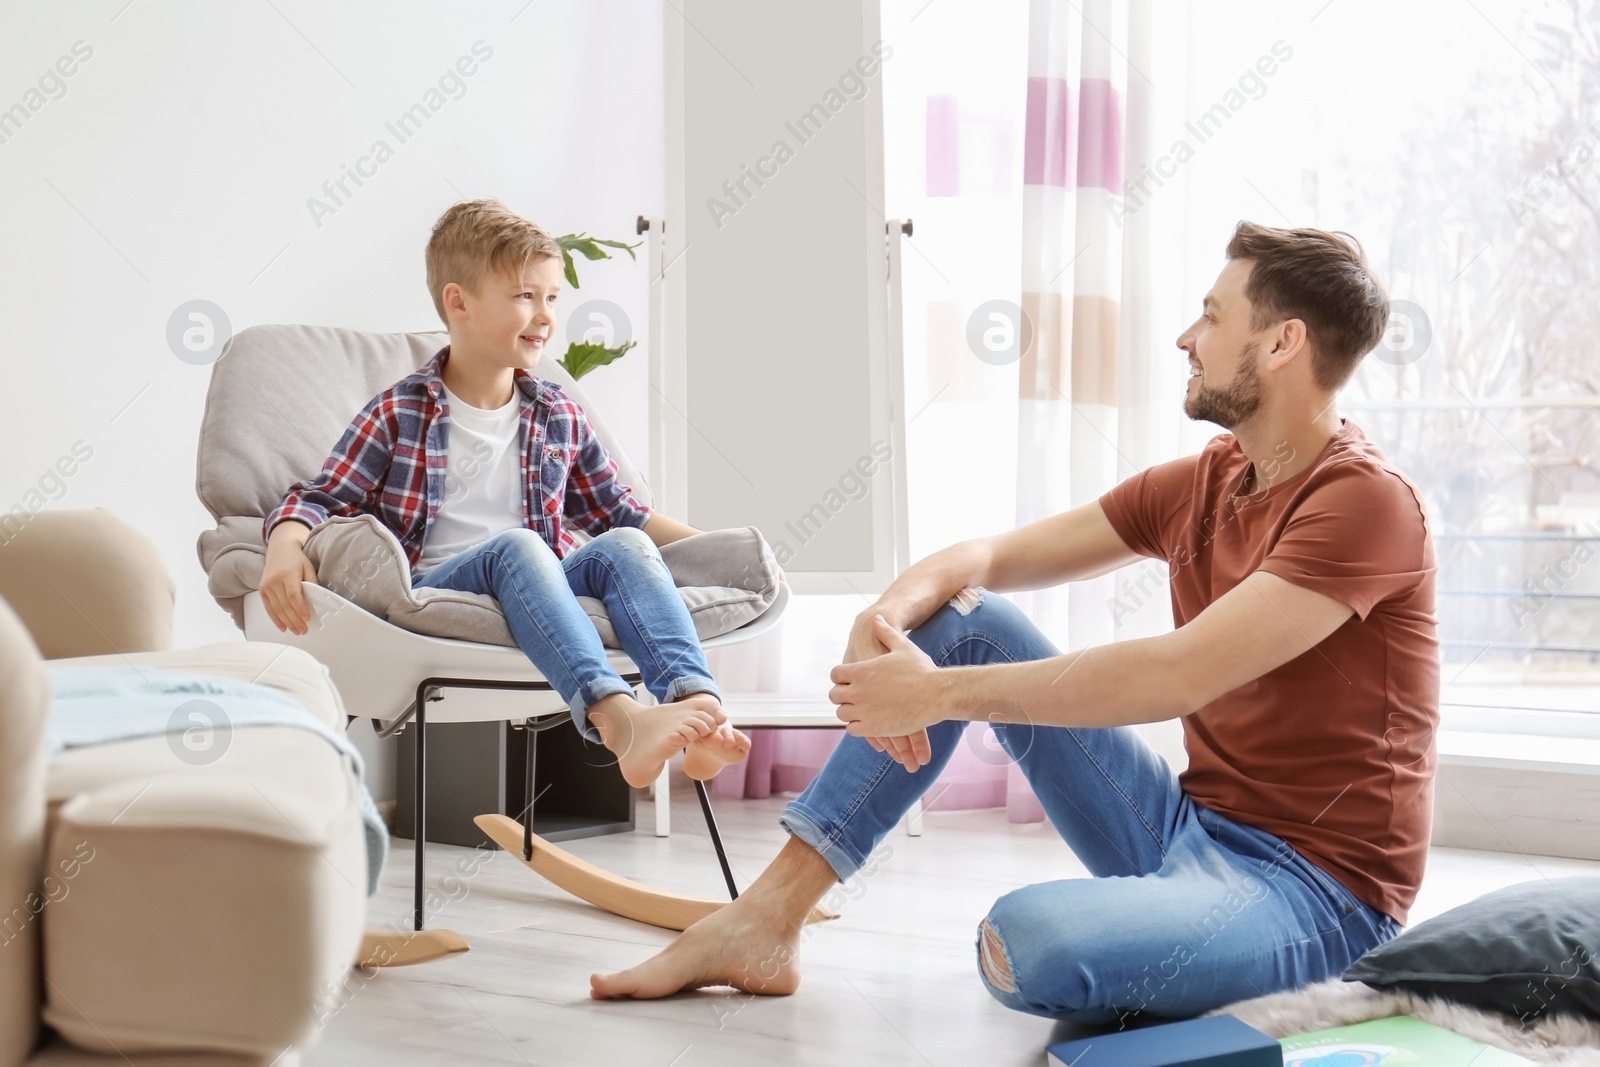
x=1262, y=623
x=1259, y=625
x=1076, y=544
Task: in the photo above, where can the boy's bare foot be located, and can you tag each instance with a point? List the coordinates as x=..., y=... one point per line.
x=645, y=738
x=706, y=756
x=705, y=701
x=731, y=946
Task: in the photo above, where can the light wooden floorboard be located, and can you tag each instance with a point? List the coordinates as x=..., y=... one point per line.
x=893, y=981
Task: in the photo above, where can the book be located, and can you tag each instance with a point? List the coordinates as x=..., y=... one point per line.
x=1214, y=1041
x=1398, y=1041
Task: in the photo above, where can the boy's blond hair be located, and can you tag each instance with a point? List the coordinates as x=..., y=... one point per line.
x=474, y=238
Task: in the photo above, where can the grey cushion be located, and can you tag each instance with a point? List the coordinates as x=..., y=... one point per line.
x=1523, y=951
x=725, y=577
x=280, y=396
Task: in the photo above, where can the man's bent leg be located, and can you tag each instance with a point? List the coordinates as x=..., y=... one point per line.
x=838, y=821
x=860, y=795
x=1231, y=915
x=759, y=933
x=1109, y=795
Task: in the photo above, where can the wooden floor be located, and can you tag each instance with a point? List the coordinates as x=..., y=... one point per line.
x=894, y=981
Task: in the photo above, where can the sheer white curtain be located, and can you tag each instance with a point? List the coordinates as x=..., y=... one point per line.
x=1039, y=320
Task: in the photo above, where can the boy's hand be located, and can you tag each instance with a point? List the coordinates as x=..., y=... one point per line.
x=287, y=566
x=912, y=751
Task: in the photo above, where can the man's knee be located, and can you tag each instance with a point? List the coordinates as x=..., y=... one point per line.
x=949, y=621
x=993, y=959
x=1059, y=955
x=969, y=598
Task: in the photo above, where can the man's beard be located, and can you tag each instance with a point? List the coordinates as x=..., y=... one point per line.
x=1234, y=403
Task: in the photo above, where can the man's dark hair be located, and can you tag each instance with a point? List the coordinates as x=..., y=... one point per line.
x=1322, y=279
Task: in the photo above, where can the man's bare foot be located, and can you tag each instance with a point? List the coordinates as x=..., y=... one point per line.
x=706, y=756
x=731, y=946
x=645, y=738
x=751, y=944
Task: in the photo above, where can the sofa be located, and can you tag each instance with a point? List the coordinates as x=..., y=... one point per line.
x=156, y=909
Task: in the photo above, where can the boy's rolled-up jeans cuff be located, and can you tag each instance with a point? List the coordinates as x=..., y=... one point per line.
x=592, y=693
x=597, y=690
x=691, y=683
x=807, y=826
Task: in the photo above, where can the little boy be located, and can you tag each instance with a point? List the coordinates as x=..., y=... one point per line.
x=519, y=455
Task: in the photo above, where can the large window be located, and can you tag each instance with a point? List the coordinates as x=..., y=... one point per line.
x=1458, y=142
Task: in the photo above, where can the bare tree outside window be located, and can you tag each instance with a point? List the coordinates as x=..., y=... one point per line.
x=1485, y=390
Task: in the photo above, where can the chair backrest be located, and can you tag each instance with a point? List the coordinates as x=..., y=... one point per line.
x=281, y=395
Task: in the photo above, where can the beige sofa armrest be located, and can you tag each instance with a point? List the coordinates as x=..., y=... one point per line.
x=24, y=706
x=85, y=583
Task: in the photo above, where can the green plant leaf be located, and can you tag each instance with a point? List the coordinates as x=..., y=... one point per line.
x=589, y=248
x=584, y=356
x=622, y=245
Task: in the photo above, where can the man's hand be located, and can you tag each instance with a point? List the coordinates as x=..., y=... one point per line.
x=910, y=752
x=888, y=698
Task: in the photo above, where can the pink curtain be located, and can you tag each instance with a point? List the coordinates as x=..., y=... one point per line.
x=979, y=775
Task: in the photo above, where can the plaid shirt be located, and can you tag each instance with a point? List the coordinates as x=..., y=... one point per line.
x=391, y=462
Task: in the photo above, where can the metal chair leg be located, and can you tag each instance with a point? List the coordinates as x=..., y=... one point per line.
x=419, y=809
x=528, y=795
x=716, y=838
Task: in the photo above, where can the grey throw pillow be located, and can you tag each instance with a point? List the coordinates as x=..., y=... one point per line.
x=1525, y=951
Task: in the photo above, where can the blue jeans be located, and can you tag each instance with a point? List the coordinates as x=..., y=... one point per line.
x=538, y=593
x=1186, y=911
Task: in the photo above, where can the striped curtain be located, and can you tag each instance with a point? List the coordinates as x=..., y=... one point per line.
x=1088, y=413
x=1091, y=406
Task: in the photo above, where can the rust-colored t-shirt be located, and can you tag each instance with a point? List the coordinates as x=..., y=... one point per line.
x=1332, y=751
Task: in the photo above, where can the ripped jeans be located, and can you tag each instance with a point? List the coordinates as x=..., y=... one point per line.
x=622, y=568
x=1187, y=910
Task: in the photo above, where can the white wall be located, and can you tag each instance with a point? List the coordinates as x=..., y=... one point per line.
x=176, y=162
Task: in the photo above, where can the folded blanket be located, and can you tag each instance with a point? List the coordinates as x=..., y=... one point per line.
x=101, y=705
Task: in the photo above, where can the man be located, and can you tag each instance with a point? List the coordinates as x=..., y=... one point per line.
x=1304, y=667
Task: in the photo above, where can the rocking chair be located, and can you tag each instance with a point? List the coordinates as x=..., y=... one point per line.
x=279, y=397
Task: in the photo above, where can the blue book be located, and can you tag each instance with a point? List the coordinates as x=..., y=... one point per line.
x=1215, y=1041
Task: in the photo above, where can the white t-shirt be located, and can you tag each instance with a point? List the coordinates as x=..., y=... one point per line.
x=483, y=480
